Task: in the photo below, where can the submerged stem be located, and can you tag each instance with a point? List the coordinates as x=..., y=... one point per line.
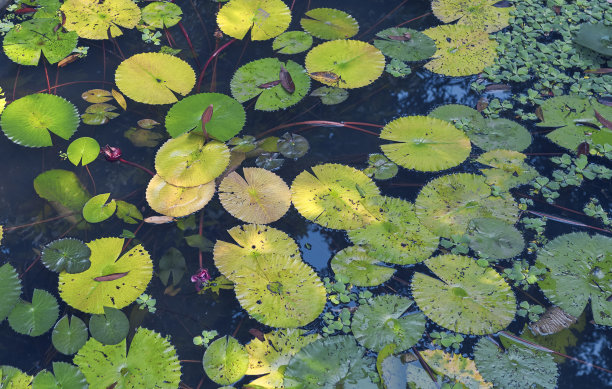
x=212, y=56
x=319, y=123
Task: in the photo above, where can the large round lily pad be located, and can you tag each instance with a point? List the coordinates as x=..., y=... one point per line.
x=383, y=321
x=481, y=14
x=447, y=204
x=226, y=121
x=225, y=361
x=425, y=143
x=25, y=44
x=579, y=269
x=397, y=235
x=154, y=78
x=29, y=120
x=111, y=280
x=329, y=24
x=265, y=18
x=405, y=44
x=331, y=197
x=292, y=42
x=465, y=297
x=191, y=161
x=357, y=265
x=177, y=201
x=347, y=63
x=260, y=197
x=93, y=19
x=494, y=238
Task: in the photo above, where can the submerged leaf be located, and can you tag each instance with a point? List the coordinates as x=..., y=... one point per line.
x=161, y=14
x=509, y=168
x=292, y=42
x=355, y=264
x=500, y=134
x=416, y=48
x=494, y=238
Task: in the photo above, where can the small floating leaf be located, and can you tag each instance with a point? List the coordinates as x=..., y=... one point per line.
x=172, y=263
x=161, y=14
x=380, y=168
x=494, y=238
x=176, y=201
x=330, y=95
x=292, y=42
x=329, y=24
x=355, y=264
x=65, y=376
x=83, y=150
x=10, y=289
x=500, y=134
x=69, y=335
x=97, y=210
x=111, y=327
x=456, y=112
x=128, y=212
x=93, y=19
x=265, y=18
x=417, y=48
x=70, y=255
x=99, y=114
x=225, y=361
x=293, y=145
x=37, y=317
x=95, y=96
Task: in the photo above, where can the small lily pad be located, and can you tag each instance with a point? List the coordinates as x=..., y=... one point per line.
x=109, y=328
x=177, y=201
x=37, y=317
x=500, y=134
x=95, y=96
x=69, y=335
x=225, y=361
x=70, y=255
x=414, y=46
x=96, y=209
x=292, y=42
x=355, y=264
x=83, y=150
x=329, y=24
x=380, y=168
x=161, y=14
x=494, y=238
x=330, y=95
x=64, y=375
x=99, y=114
x=292, y=145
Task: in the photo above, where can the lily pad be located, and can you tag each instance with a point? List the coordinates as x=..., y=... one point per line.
x=500, y=134
x=162, y=14
x=154, y=78
x=465, y=297
x=83, y=150
x=353, y=63
x=330, y=95
x=260, y=197
x=96, y=96
x=177, y=201
x=383, y=321
x=357, y=265
x=10, y=289
x=96, y=209
x=64, y=375
x=265, y=18
x=252, y=241
x=380, y=168
x=69, y=255
x=271, y=355
x=329, y=24
x=249, y=81
x=27, y=121
x=414, y=46
x=109, y=328
x=425, y=143
x=330, y=363
x=127, y=212
x=225, y=361
x=456, y=112
x=596, y=37
x=578, y=270
x=99, y=114
x=150, y=363
x=280, y=291
x=509, y=168
x=462, y=50
x=93, y=19
x=519, y=367
x=111, y=280
x=292, y=42
x=34, y=318
x=396, y=236
x=13, y=378
x=292, y=146
x=25, y=44
x=332, y=196
x=481, y=14
x=494, y=238
x=64, y=190
x=227, y=118
x=69, y=335
x=191, y=161
x=457, y=367
x=172, y=263
x=447, y=204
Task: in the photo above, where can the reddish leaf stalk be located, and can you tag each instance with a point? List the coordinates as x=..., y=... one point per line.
x=321, y=123
x=195, y=55
x=383, y=18
x=47, y=76
x=212, y=56
x=413, y=19
x=144, y=169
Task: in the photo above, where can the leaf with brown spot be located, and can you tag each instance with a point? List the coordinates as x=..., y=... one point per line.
x=111, y=277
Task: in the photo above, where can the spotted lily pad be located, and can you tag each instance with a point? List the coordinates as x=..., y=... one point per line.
x=329, y=24
x=111, y=280
x=161, y=14
x=25, y=44
x=413, y=46
x=292, y=42
x=456, y=367
x=465, y=297
x=177, y=201
x=70, y=255
x=357, y=265
x=494, y=238
x=29, y=120
x=93, y=19
x=225, y=361
x=13, y=378
x=265, y=18
x=34, y=318
x=480, y=14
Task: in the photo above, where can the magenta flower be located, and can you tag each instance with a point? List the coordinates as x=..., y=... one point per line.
x=201, y=278
x=111, y=153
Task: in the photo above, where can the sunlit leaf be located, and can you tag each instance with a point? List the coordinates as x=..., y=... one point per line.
x=161, y=14
x=225, y=361
x=329, y=24
x=176, y=201
x=265, y=18
x=93, y=19
x=96, y=209
x=83, y=150
x=480, y=14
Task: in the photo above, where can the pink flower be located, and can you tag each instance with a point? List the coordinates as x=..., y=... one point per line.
x=201, y=278
x=111, y=153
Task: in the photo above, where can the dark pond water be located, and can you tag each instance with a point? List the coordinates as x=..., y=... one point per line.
x=187, y=314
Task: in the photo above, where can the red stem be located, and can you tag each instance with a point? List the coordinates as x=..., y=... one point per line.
x=383, y=18
x=200, y=231
x=135, y=232
x=412, y=20
x=137, y=166
x=213, y=55
x=47, y=76
x=15, y=83
x=75, y=82
x=168, y=38
x=316, y=123
x=93, y=183
x=7, y=229
x=195, y=55
x=365, y=124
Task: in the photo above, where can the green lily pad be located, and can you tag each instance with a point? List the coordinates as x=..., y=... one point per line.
x=519, y=367
x=65, y=376
x=500, y=134
x=465, y=297
x=10, y=289
x=191, y=161
x=111, y=280
x=127, y=212
x=271, y=355
x=172, y=263
x=355, y=264
x=154, y=78
x=265, y=18
x=150, y=363
x=97, y=210
x=280, y=291
x=330, y=95
x=480, y=14
x=13, y=378
x=380, y=168
x=416, y=48
x=247, y=80
x=397, y=374
x=177, y=201
x=34, y=318
x=330, y=363
x=25, y=44
x=329, y=24
x=227, y=119
x=447, y=204
x=292, y=145
x=456, y=367
x=99, y=114
x=93, y=19
x=64, y=190
x=96, y=96
x=69, y=335
x=161, y=14
x=109, y=328
x=462, y=50
x=44, y=8
x=509, y=169
x=397, y=68
x=425, y=143
x=494, y=238
x=27, y=121
x=597, y=37
x=353, y=63
x=225, y=361
x=292, y=42
x=396, y=236
x=382, y=321
x=83, y=150
x=579, y=269
x=69, y=255
x=569, y=113
x=456, y=112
